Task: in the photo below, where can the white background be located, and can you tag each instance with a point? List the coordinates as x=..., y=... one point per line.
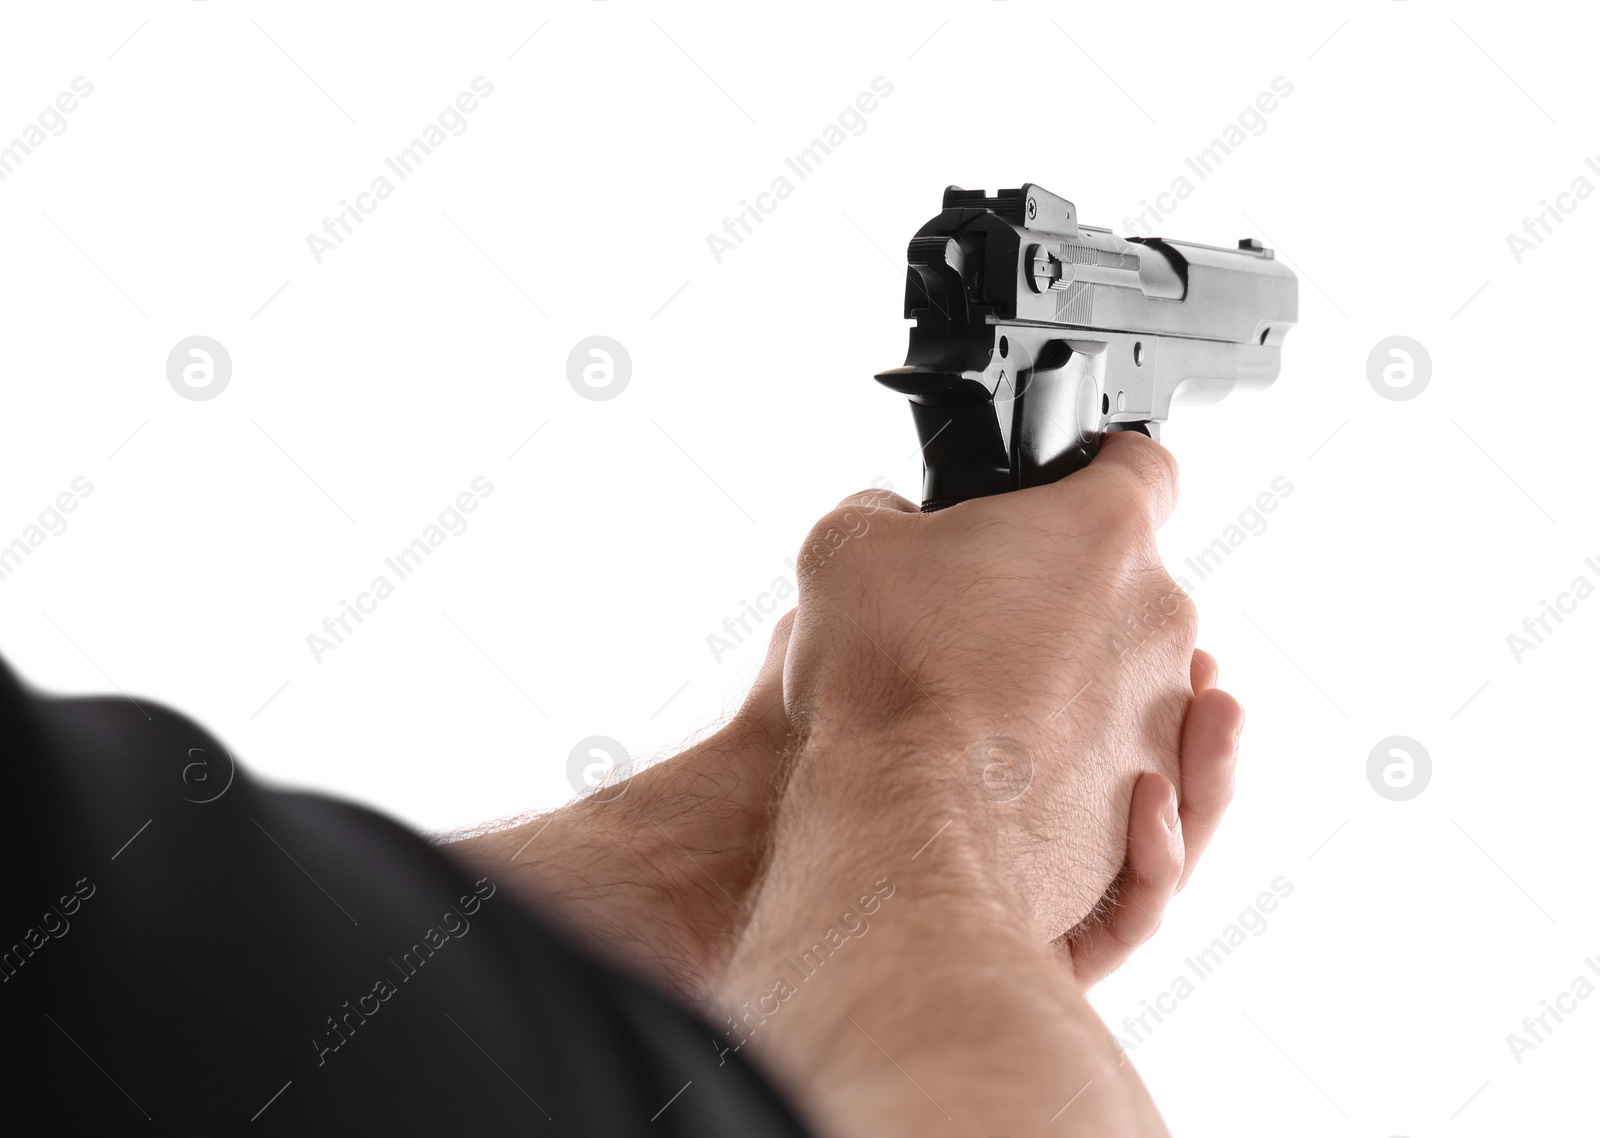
x=369, y=390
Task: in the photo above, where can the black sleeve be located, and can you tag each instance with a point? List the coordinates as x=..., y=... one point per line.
x=186, y=952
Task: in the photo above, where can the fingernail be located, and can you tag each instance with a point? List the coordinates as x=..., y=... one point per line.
x=1171, y=813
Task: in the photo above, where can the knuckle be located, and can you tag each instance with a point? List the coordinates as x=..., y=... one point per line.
x=1156, y=466
x=839, y=533
x=1129, y=524
x=1171, y=609
x=1163, y=466
x=1185, y=615
x=877, y=498
x=1121, y=519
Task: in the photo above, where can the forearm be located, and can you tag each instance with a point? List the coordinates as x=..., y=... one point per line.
x=651, y=873
x=947, y=1014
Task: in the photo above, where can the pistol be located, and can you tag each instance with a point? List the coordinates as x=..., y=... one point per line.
x=1034, y=335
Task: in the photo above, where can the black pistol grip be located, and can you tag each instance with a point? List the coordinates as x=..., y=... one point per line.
x=965, y=449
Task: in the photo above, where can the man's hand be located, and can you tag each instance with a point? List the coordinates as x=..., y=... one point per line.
x=1034, y=635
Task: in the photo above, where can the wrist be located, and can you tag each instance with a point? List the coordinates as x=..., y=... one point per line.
x=861, y=806
x=883, y=895
x=1046, y=833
